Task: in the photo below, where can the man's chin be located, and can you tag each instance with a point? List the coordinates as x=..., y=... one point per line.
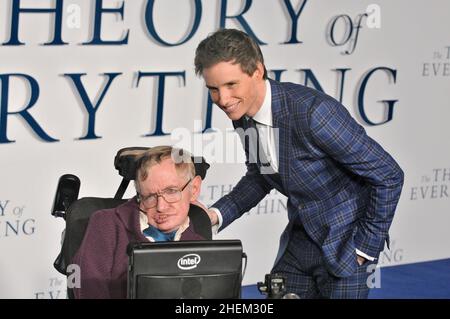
x=234, y=116
x=165, y=226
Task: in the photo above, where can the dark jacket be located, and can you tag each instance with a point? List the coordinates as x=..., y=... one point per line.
x=102, y=256
x=342, y=186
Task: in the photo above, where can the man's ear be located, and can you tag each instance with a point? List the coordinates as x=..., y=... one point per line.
x=195, y=188
x=259, y=71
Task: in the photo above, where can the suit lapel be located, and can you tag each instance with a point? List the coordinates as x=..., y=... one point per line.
x=280, y=117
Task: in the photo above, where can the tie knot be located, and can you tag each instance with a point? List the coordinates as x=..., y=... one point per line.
x=251, y=122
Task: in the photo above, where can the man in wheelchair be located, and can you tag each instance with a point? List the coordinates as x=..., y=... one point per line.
x=167, y=186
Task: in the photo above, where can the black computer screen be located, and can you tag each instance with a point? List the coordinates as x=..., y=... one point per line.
x=210, y=269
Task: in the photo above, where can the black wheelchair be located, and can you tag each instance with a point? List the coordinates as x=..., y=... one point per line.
x=76, y=212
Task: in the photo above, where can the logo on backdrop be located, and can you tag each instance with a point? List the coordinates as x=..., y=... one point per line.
x=433, y=185
x=439, y=65
x=14, y=221
x=56, y=290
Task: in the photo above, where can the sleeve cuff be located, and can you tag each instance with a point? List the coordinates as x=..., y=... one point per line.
x=360, y=253
x=215, y=228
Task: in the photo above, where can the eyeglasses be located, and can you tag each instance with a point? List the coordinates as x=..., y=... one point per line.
x=170, y=195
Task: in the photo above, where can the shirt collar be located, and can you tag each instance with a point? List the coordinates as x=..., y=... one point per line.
x=143, y=221
x=264, y=114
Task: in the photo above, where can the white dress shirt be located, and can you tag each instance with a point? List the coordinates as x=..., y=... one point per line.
x=264, y=124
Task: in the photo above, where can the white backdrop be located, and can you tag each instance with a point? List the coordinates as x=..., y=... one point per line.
x=405, y=42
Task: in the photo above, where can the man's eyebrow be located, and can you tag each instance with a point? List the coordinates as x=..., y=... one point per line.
x=165, y=188
x=171, y=187
x=225, y=84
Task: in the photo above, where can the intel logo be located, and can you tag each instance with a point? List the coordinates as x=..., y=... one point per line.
x=189, y=261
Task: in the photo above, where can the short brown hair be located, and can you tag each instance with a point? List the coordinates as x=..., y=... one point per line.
x=229, y=45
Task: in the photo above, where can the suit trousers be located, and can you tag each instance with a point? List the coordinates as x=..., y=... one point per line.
x=304, y=268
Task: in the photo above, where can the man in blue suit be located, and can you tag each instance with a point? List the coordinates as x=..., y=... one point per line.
x=342, y=187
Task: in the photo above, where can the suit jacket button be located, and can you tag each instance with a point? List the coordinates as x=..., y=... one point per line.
x=300, y=206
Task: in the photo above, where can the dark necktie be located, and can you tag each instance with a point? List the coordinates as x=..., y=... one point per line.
x=258, y=151
x=158, y=235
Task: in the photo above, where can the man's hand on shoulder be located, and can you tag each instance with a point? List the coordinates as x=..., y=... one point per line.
x=211, y=213
x=213, y=216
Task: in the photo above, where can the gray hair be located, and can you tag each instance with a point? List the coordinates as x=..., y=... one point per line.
x=155, y=155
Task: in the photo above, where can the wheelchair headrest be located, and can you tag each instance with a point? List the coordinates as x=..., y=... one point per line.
x=126, y=159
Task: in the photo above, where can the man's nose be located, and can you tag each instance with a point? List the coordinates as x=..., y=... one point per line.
x=161, y=203
x=224, y=97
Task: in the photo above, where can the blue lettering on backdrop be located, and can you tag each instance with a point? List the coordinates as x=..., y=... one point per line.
x=341, y=90
x=349, y=27
x=160, y=96
x=152, y=30
x=293, y=14
x=3, y=207
x=362, y=89
x=17, y=9
x=90, y=108
x=348, y=30
x=239, y=17
x=96, y=38
x=17, y=227
x=277, y=74
x=24, y=113
x=93, y=106
x=294, y=20
x=208, y=118
x=309, y=76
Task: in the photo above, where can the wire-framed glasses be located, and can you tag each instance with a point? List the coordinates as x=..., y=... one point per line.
x=170, y=195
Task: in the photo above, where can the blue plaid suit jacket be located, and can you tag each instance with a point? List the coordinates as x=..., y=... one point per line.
x=342, y=186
